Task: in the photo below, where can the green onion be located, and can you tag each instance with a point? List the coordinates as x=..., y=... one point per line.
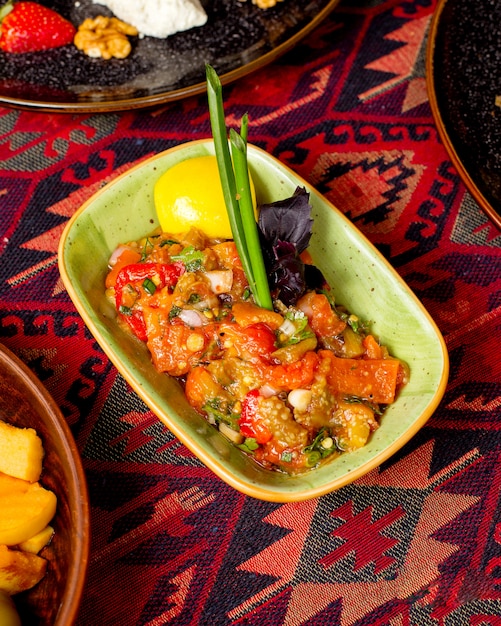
x=251, y=233
x=191, y=257
x=249, y=445
x=286, y=456
x=144, y=254
x=149, y=286
x=312, y=458
x=236, y=190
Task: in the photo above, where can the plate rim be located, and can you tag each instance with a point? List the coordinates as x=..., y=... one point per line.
x=108, y=106
x=463, y=172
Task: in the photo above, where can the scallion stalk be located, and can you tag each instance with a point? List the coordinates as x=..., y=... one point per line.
x=241, y=168
x=219, y=133
x=244, y=127
x=236, y=190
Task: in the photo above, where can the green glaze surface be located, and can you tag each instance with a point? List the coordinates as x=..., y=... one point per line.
x=362, y=280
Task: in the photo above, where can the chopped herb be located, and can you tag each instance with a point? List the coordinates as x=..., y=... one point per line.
x=194, y=298
x=316, y=451
x=218, y=411
x=174, y=312
x=168, y=242
x=313, y=457
x=191, y=257
x=249, y=445
x=354, y=323
x=149, y=286
x=302, y=331
x=296, y=316
x=124, y=310
x=286, y=456
x=145, y=251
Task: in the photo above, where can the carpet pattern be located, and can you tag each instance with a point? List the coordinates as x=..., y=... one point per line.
x=416, y=541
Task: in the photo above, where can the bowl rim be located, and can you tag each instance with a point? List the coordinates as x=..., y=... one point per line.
x=166, y=96
x=248, y=488
x=77, y=487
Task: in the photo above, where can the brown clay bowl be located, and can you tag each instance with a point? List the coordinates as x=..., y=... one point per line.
x=24, y=401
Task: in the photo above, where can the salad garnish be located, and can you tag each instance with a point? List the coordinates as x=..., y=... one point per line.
x=237, y=191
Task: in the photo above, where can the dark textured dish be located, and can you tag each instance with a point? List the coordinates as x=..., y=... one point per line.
x=237, y=39
x=464, y=79
x=25, y=402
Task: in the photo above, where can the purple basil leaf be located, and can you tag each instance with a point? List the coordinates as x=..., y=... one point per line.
x=314, y=278
x=285, y=231
x=288, y=220
x=286, y=275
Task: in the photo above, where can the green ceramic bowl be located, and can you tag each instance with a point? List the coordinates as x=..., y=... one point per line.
x=362, y=280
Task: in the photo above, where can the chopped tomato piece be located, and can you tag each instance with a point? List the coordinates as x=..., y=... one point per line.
x=251, y=425
x=324, y=321
x=372, y=348
x=247, y=313
x=165, y=274
x=254, y=343
x=201, y=387
x=175, y=348
x=227, y=254
x=294, y=375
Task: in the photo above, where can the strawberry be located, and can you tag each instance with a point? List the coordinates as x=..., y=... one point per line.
x=31, y=27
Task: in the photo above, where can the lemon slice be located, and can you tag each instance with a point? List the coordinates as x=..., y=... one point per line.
x=190, y=194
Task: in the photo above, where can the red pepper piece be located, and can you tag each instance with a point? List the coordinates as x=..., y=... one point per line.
x=137, y=324
x=168, y=274
x=250, y=422
x=138, y=272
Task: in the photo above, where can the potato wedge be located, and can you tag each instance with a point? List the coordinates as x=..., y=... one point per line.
x=21, y=452
x=19, y=571
x=26, y=509
x=37, y=542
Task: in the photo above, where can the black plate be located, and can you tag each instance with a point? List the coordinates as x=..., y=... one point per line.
x=464, y=81
x=237, y=39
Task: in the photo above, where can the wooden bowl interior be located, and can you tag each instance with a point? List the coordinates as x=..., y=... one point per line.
x=25, y=402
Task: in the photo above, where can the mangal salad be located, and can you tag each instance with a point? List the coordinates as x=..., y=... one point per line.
x=293, y=379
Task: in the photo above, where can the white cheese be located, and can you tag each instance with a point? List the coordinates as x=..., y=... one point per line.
x=158, y=18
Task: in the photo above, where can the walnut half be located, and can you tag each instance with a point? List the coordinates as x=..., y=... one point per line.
x=104, y=37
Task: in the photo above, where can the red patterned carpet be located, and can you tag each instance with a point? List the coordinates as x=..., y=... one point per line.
x=415, y=542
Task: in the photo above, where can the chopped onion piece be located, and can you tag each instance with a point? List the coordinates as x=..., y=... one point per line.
x=206, y=304
x=220, y=281
x=192, y=318
x=287, y=328
x=232, y=435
